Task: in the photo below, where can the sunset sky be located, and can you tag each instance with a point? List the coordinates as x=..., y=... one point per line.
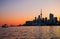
x=18, y=11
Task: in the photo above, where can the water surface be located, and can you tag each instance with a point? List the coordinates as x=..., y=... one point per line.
x=30, y=32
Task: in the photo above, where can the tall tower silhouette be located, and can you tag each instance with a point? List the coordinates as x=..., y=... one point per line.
x=41, y=13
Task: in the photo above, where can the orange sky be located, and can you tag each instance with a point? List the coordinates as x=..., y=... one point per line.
x=18, y=11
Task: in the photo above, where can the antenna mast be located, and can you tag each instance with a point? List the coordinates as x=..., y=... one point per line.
x=41, y=13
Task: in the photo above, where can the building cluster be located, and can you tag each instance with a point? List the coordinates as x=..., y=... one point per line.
x=39, y=21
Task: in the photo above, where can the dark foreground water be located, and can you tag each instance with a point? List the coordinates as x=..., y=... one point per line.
x=30, y=32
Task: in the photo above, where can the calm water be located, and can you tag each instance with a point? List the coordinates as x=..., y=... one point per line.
x=30, y=32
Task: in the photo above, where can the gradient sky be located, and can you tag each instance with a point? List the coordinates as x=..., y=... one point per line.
x=18, y=11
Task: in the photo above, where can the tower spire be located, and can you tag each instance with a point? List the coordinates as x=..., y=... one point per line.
x=41, y=13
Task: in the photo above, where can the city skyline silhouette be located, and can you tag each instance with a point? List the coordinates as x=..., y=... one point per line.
x=40, y=21
x=15, y=12
x=29, y=19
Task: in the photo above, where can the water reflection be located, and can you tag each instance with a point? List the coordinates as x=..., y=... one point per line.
x=30, y=32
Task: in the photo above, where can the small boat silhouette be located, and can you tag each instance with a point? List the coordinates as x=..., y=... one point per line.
x=5, y=26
